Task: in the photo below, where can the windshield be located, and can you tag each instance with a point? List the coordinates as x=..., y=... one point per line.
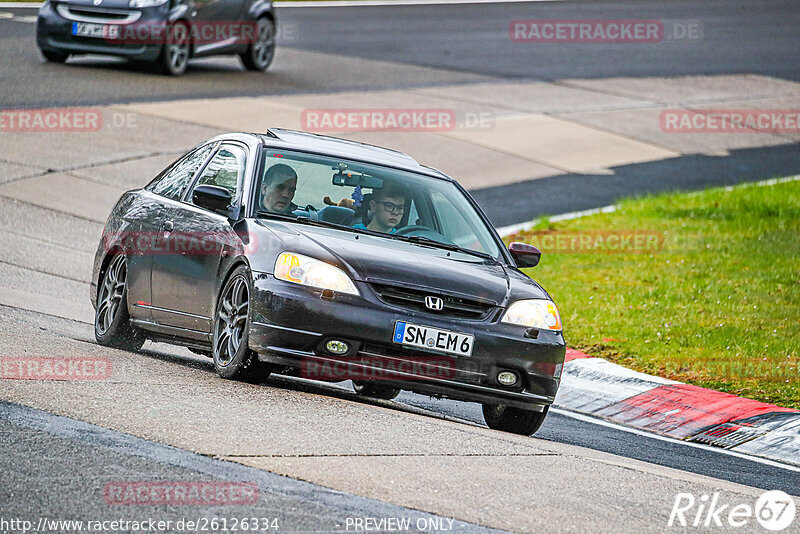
x=359, y=196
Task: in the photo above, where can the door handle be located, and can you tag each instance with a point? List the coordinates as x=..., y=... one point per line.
x=168, y=226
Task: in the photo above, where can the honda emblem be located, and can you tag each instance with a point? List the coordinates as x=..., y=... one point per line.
x=434, y=303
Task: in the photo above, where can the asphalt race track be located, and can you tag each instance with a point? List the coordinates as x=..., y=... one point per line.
x=318, y=453
x=443, y=43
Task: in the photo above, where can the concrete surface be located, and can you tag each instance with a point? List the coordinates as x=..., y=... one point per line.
x=429, y=464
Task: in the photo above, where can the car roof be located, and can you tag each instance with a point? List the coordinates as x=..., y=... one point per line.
x=345, y=148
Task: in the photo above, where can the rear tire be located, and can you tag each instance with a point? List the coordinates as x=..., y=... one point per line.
x=376, y=391
x=514, y=420
x=55, y=57
x=260, y=54
x=112, y=327
x=233, y=358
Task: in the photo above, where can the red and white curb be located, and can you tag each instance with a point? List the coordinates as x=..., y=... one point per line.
x=597, y=387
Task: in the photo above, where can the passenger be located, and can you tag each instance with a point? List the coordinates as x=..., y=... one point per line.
x=387, y=207
x=278, y=188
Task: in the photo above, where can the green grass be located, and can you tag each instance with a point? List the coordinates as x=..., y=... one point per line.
x=717, y=306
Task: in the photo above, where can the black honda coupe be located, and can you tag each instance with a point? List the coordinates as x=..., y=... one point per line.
x=295, y=253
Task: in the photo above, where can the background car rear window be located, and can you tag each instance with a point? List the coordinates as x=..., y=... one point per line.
x=175, y=182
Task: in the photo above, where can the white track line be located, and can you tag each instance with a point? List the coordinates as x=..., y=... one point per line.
x=374, y=3
x=339, y=3
x=603, y=422
x=519, y=227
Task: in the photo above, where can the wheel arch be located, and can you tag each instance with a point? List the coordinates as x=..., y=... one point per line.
x=263, y=8
x=223, y=277
x=181, y=15
x=101, y=272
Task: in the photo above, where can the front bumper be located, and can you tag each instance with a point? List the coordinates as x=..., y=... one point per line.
x=290, y=325
x=54, y=33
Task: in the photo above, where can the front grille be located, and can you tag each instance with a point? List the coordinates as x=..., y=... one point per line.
x=98, y=14
x=414, y=299
x=454, y=368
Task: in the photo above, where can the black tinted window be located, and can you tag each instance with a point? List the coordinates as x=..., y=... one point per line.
x=225, y=169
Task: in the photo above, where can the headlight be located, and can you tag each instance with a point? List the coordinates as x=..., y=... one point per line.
x=541, y=314
x=300, y=269
x=146, y=3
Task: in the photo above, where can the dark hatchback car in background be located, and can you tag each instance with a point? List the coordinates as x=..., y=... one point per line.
x=166, y=33
x=289, y=252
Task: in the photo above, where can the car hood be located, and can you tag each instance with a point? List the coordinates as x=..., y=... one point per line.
x=380, y=260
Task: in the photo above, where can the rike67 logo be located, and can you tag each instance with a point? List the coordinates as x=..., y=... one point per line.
x=774, y=510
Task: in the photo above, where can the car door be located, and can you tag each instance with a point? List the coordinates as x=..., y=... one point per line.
x=218, y=27
x=152, y=212
x=184, y=282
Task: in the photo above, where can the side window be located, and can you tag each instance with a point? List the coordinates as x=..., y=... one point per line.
x=175, y=182
x=226, y=169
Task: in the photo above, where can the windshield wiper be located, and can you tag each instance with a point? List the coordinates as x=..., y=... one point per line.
x=302, y=219
x=276, y=215
x=292, y=218
x=447, y=246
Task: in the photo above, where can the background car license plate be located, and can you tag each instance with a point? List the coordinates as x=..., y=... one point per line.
x=414, y=335
x=101, y=31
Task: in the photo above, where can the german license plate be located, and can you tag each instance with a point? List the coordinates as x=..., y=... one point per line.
x=99, y=31
x=414, y=335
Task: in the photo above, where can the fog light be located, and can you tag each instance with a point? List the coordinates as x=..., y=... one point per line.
x=507, y=378
x=334, y=346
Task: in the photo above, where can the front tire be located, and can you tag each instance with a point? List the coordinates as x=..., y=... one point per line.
x=233, y=358
x=260, y=54
x=174, y=57
x=54, y=57
x=513, y=420
x=376, y=391
x=112, y=327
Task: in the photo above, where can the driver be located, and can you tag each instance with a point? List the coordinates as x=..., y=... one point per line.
x=387, y=207
x=278, y=188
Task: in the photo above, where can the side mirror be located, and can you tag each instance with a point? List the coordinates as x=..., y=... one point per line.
x=525, y=255
x=212, y=197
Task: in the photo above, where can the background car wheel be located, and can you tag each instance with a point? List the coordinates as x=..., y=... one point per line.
x=514, y=420
x=233, y=358
x=175, y=56
x=112, y=327
x=54, y=57
x=259, y=54
x=376, y=391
